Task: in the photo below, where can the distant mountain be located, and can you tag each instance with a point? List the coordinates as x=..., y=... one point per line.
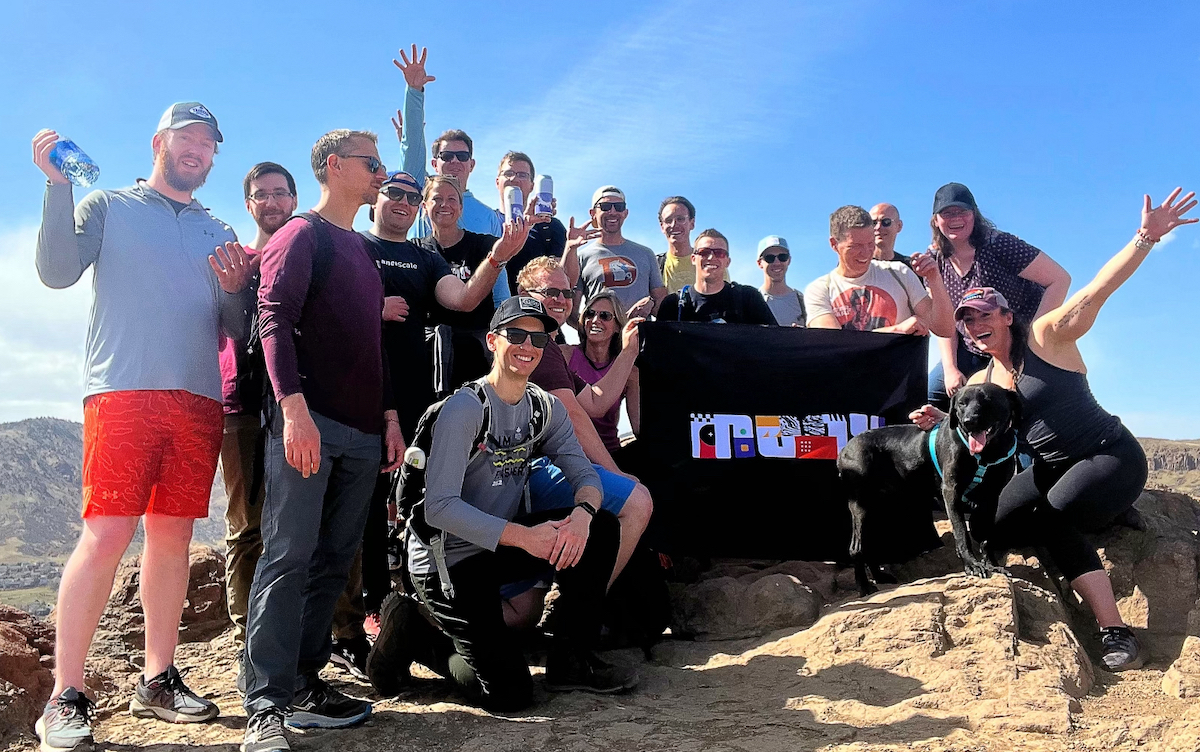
x=1174, y=465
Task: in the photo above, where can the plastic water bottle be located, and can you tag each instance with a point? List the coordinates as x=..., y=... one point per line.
x=414, y=457
x=74, y=164
x=514, y=203
x=544, y=190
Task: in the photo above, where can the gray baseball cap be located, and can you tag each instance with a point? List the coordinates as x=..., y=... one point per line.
x=182, y=114
x=771, y=241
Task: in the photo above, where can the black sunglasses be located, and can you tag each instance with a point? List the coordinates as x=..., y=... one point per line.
x=518, y=336
x=771, y=257
x=373, y=163
x=396, y=193
x=555, y=292
x=450, y=156
x=604, y=316
x=884, y=221
x=611, y=206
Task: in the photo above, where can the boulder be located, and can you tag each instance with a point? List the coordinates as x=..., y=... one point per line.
x=756, y=603
x=1182, y=679
x=26, y=662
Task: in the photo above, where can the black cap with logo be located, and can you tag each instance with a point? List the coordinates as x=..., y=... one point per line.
x=518, y=307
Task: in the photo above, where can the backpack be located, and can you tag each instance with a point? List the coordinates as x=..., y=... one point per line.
x=686, y=301
x=662, y=263
x=411, y=486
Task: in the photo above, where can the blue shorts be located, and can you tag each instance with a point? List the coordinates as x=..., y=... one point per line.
x=550, y=489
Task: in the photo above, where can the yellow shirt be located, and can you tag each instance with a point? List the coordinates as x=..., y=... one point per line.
x=679, y=271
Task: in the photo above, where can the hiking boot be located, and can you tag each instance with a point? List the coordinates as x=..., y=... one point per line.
x=264, y=732
x=65, y=725
x=167, y=697
x=1120, y=650
x=319, y=705
x=391, y=656
x=571, y=670
x=351, y=656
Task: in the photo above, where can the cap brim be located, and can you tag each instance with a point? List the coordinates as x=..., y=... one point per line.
x=546, y=319
x=959, y=204
x=978, y=305
x=184, y=123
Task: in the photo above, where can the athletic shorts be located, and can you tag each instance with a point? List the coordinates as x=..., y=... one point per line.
x=150, y=452
x=550, y=489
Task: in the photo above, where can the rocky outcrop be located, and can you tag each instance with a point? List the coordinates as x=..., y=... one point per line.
x=26, y=663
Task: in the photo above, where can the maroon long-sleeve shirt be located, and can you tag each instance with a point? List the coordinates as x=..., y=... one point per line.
x=330, y=348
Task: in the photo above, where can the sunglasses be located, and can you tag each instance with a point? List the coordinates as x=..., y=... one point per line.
x=450, y=156
x=714, y=252
x=518, y=336
x=611, y=206
x=883, y=221
x=373, y=163
x=604, y=316
x=555, y=292
x=783, y=258
x=396, y=193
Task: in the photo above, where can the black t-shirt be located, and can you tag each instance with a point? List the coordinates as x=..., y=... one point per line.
x=464, y=257
x=178, y=206
x=748, y=307
x=548, y=239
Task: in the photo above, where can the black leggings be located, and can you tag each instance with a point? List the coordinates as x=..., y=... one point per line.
x=1053, y=504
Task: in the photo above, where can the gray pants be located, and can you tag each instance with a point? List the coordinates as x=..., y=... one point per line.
x=243, y=542
x=311, y=529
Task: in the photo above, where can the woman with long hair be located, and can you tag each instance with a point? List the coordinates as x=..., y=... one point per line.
x=1088, y=469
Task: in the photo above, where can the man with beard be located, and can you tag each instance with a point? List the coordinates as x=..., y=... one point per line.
x=270, y=193
x=152, y=401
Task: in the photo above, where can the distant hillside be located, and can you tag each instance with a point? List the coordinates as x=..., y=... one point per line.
x=1174, y=465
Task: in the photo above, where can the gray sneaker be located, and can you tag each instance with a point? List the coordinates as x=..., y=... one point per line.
x=264, y=732
x=65, y=725
x=167, y=697
x=1120, y=650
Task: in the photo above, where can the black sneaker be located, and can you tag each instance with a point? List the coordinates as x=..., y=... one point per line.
x=390, y=657
x=568, y=670
x=65, y=725
x=264, y=732
x=351, y=656
x=167, y=697
x=1120, y=650
x=319, y=705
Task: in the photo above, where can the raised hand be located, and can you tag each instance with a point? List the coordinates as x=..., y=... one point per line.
x=43, y=144
x=414, y=68
x=1158, y=221
x=398, y=124
x=641, y=309
x=516, y=232
x=577, y=236
x=925, y=265
x=629, y=335
x=232, y=266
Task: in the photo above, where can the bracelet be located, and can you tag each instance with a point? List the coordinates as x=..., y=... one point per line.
x=392, y=420
x=1143, y=242
x=497, y=265
x=591, y=510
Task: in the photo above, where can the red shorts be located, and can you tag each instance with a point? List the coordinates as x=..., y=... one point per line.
x=150, y=452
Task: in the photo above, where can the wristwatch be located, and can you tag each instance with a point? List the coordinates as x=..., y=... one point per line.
x=591, y=510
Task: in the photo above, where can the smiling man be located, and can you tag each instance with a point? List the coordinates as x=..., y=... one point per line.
x=885, y=219
x=786, y=303
x=547, y=236
x=611, y=262
x=710, y=298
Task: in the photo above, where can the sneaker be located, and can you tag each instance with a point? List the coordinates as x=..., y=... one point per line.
x=264, y=732
x=319, y=705
x=65, y=725
x=351, y=656
x=572, y=670
x=1120, y=650
x=371, y=625
x=390, y=657
x=167, y=697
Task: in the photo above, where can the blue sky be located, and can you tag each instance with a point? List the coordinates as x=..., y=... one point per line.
x=768, y=115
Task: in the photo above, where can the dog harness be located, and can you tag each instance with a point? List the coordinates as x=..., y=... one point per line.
x=982, y=468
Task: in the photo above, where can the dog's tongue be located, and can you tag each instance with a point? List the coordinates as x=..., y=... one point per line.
x=976, y=441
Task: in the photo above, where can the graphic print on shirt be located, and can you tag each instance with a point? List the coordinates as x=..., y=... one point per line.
x=864, y=309
x=508, y=461
x=619, y=271
x=460, y=270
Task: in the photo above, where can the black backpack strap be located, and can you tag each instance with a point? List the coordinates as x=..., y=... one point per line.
x=662, y=262
x=685, y=299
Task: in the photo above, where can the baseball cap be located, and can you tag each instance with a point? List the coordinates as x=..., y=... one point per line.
x=400, y=177
x=608, y=191
x=953, y=194
x=981, y=299
x=520, y=306
x=183, y=114
x=771, y=241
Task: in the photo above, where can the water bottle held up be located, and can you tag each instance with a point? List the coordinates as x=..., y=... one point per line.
x=74, y=164
x=514, y=205
x=544, y=190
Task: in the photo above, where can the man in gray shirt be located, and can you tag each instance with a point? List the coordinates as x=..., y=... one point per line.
x=473, y=501
x=611, y=262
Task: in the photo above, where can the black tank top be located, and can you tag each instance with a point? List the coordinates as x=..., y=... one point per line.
x=1062, y=420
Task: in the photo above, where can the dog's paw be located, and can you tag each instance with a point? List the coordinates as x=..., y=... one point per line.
x=981, y=569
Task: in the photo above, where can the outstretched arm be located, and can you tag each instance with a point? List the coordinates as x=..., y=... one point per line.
x=1073, y=319
x=412, y=140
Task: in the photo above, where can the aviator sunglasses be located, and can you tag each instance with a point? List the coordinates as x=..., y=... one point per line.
x=396, y=193
x=604, y=316
x=555, y=292
x=518, y=336
x=771, y=257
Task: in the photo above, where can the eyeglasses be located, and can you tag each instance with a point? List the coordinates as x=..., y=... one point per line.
x=883, y=221
x=953, y=212
x=555, y=292
x=618, y=206
x=604, y=316
x=373, y=163
x=514, y=174
x=396, y=193
x=518, y=337
x=450, y=156
x=261, y=197
x=714, y=252
x=783, y=258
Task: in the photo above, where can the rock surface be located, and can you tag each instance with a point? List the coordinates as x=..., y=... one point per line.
x=26, y=662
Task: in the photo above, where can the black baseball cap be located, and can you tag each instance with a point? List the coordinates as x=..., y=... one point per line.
x=954, y=194
x=182, y=114
x=518, y=307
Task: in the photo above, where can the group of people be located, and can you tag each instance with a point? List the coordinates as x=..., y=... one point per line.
x=312, y=360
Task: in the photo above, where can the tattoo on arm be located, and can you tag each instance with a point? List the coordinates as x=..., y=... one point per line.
x=1072, y=316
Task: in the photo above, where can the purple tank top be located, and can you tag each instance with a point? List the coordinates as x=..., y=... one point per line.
x=605, y=426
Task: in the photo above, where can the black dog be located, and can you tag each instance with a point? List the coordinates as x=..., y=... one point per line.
x=964, y=462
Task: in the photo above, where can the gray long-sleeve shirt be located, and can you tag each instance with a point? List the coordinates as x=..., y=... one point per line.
x=156, y=304
x=473, y=502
